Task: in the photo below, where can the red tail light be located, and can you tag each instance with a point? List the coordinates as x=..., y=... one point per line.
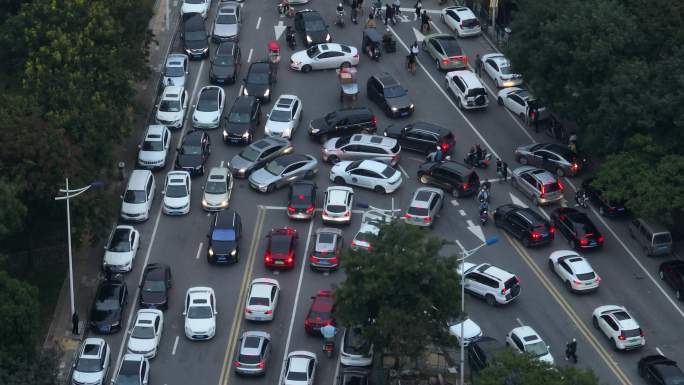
x=356, y=55
x=289, y=260
x=543, y=191
x=465, y=186
x=247, y=311
x=584, y=242
x=374, y=121
x=445, y=147
x=290, y=231
x=291, y=209
x=236, y=363
x=445, y=61
x=347, y=214
x=427, y=219
x=641, y=333
x=408, y=216
x=261, y=365
x=313, y=259
x=574, y=167
x=536, y=235
x=310, y=210
x=621, y=337
x=601, y=239
x=561, y=186
x=577, y=282
x=268, y=312
x=353, y=244
x=370, y=247
x=334, y=260
x=503, y=291
x=598, y=279
x=552, y=230
x=268, y=258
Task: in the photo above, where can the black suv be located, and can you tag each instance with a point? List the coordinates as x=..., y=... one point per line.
x=451, y=176
x=313, y=28
x=193, y=152
x=225, y=65
x=106, y=314
x=389, y=95
x=577, y=228
x=605, y=206
x=224, y=237
x=422, y=137
x=259, y=81
x=343, y=122
x=194, y=35
x=301, y=203
x=481, y=352
x=242, y=120
x=525, y=224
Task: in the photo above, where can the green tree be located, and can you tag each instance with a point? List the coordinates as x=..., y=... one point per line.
x=12, y=209
x=509, y=368
x=41, y=369
x=18, y=329
x=405, y=286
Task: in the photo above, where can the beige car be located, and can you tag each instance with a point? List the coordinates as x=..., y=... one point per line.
x=218, y=189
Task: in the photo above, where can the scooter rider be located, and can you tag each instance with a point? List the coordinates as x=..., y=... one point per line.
x=483, y=194
x=328, y=332
x=340, y=14
x=484, y=212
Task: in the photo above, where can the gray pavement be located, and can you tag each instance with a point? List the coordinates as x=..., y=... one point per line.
x=628, y=278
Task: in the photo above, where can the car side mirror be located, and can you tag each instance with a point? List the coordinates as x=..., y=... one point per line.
x=194, y=105
x=185, y=313
x=268, y=115
x=163, y=192
x=215, y=312
x=121, y=196
x=139, y=146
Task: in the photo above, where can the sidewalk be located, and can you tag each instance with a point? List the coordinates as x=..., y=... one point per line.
x=87, y=261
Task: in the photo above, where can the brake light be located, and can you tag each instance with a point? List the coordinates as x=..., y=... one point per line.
x=247, y=311
x=408, y=216
x=445, y=61
x=347, y=214
x=289, y=260
x=268, y=312
x=356, y=55
x=543, y=191
x=313, y=258
x=370, y=247
x=353, y=244
x=598, y=279
x=310, y=210
x=621, y=337
x=268, y=257
x=427, y=219
x=577, y=282
x=261, y=365
x=307, y=322
x=574, y=167
x=291, y=209
x=334, y=260
x=536, y=236
x=236, y=363
x=552, y=230
x=584, y=242
x=445, y=147
x=601, y=239
x=465, y=186
x=374, y=120
x=290, y=231
x=561, y=186
x=503, y=291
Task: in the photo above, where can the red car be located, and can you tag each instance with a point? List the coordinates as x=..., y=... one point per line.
x=321, y=312
x=280, y=251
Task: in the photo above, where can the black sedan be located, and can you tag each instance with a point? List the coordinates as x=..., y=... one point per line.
x=226, y=63
x=312, y=27
x=577, y=228
x=422, y=137
x=106, y=314
x=660, y=370
x=242, y=120
x=524, y=224
x=193, y=152
x=672, y=272
x=154, y=289
x=388, y=94
x=259, y=81
x=194, y=35
x=224, y=237
x=605, y=206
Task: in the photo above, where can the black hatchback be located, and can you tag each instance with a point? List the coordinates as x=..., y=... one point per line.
x=577, y=228
x=451, y=176
x=301, y=203
x=193, y=152
x=388, y=94
x=422, y=137
x=225, y=65
x=524, y=224
x=242, y=120
x=224, y=237
x=106, y=314
x=312, y=27
x=259, y=81
x=154, y=289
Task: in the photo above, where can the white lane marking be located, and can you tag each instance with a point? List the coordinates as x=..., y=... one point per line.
x=454, y=202
x=462, y=212
x=516, y=200
x=283, y=208
x=413, y=10
x=294, y=307
x=221, y=164
x=249, y=57
x=436, y=27
x=167, y=15
x=258, y=23
x=519, y=322
x=659, y=351
x=416, y=159
x=470, y=223
x=403, y=171
x=199, y=250
x=175, y=345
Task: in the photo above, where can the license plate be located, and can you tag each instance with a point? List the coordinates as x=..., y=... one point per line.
x=279, y=262
x=592, y=243
x=258, y=318
x=404, y=114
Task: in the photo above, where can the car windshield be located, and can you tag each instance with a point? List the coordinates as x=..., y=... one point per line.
x=199, y=312
x=551, y=187
x=275, y=168
x=223, y=60
x=259, y=301
x=238, y=117
x=388, y=172
x=258, y=78
x=190, y=149
x=394, y=91
x=170, y=106
x=364, y=237
x=226, y=19
x=353, y=165
x=135, y=196
x=143, y=332
x=506, y=70
x=537, y=349
x=208, y=101
x=215, y=188
x=154, y=287
x=250, y=154
x=314, y=25
x=88, y=365
x=120, y=242
x=174, y=71
x=176, y=191
x=280, y=116
x=313, y=51
x=296, y=376
x=152, y=145
x=195, y=36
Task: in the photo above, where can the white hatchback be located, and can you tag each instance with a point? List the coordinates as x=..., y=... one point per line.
x=619, y=326
x=324, y=56
x=121, y=249
x=524, y=339
x=196, y=6
x=575, y=271
x=300, y=368
x=461, y=20
x=176, y=192
x=284, y=118
x=146, y=333
x=172, y=107
x=337, y=205
x=262, y=299
x=371, y=174
x=209, y=107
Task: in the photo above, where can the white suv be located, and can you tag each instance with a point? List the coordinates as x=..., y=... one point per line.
x=467, y=89
x=575, y=271
x=524, y=339
x=262, y=299
x=200, y=313
x=92, y=364
x=495, y=285
x=137, y=199
x=172, y=107
x=155, y=147
x=338, y=203
x=177, y=193
x=461, y=20
x=619, y=326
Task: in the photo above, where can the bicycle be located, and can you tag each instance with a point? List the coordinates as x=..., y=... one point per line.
x=411, y=64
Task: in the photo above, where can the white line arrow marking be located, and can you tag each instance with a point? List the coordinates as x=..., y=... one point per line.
x=476, y=230
x=279, y=29
x=517, y=200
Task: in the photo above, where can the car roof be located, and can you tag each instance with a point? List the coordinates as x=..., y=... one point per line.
x=261, y=289
x=324, y=47
x=285, y=102
x=423, y=195
x=243, y=102
x=467, y=77
x=543, y=176
x=218, y=173
x=155, y=271
x=177, y=174
x=172, y=92
x=559, y=150
x=228, y=9
x=309, y=14
x=420, y=125
x=260, y=66
x=93, y=347
x=225, y=48
x=322, y=302
x=299, y=364
x=286, y=160
x=462, y=10
x=374, y=140
x=451, y=165
x=155, y=129
x=372, y=165
x=386, y=79
x=176, y=59
x=200, y=293
x=338, y=194
x=227, y=218
x=493, y=271
x=193, y=137
x=579, y=265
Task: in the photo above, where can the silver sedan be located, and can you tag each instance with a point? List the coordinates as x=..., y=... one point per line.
x=283, y=171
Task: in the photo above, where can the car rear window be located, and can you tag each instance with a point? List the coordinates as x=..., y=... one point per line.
x=512, y=282
x=662, y=238
x=470, y=23
x=336, y=208
x=632, y=333
x=586, y=276
x=476, y=92
x=551, y=187
x=259, y=301
x=249, y=359
x=418, y=211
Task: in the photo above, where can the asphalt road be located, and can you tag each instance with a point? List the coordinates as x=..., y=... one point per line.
x=628, y=277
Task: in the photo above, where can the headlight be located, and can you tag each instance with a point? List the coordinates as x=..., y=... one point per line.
x=411, y=106
x=327, y=38
x=308, y=39
x=268, y=92
x=205, y=49
x=242, y=171
x=245, y=135
x=244, y=91
x=395, y=109
x=314, y=130
x=205, y=203
x=225, y=134
x=224, y=204
x=211, y=252
x=198, y=167
x=232, y=253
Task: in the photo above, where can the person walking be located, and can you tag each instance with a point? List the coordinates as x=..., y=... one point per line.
x=418, y=7
x=499, y=166
x=370, y=23
x=571, y=351
x=74, y=324
x=397, y=8
x=478, y=65
x=388, y=15
x=504, y=171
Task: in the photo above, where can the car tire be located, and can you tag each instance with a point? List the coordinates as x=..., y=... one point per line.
x=568, y=286
x=306, y=68
x=309, y=174
x=270, y=188
x=333, y=159
x=423, y=179
x=522, y=160
x=551, y=266
x=437, y=64
x=526, y=242
x=522, y=117
x=594, y=321
x=339, y=180
x=560, y=172
x=380, y=189
x=345, y=65
x=678, y=294
x=491, y=301
x=661, y=275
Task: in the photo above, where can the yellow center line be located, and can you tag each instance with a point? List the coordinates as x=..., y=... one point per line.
x=238, y=313
x=570, y=312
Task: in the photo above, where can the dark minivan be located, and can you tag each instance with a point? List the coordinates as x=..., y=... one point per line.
x=422, y=137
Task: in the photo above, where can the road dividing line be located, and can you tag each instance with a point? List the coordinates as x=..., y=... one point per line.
x=570, y=312
x=659, y=351
x=175, y=345
x=249, y=57
x=239, y=313
x=294, y=307
x=258, y=23
x=403, y=171
x=199, y=250
x=519, y=322
x=242, y=87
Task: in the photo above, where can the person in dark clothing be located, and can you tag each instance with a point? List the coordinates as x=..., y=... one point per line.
x=479, y=154
x=418, y=7
x=571, y=351
x=534, y=118
x=388, y=14
x=352, y=12
x=499, y=166
x=504, y=171
x=74, y=323
x=424, y=22
x=478, y=65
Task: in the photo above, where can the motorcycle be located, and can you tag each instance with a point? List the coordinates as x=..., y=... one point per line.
x=290, y=38
x=484, y=213
x=329, y=347
x=340, y=18
x=582, y=199
x=285, y=10
x=483, y=196
x=482, y=162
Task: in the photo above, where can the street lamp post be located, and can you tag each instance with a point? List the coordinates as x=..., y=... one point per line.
x=68, y=194
x=464, y=255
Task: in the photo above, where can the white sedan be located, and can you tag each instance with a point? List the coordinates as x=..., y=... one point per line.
x=500, y=71
x=284, y=117
x=515, y=100
x=121, y=249
x=172, y=107
x=196, y=6
x=324, y=56
x=300, y=368
x=370, y=174
x=177, y=193
x=524, y=339
x=209, y=107
x=575, y=271
x=146, y=333
x=262, y=299
x=619, y=326
x=200, y=313
x=471, y=331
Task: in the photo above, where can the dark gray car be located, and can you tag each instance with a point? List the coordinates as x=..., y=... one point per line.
x=254, y=351
x=550, y=156
x=257, y=154
x=283, y=170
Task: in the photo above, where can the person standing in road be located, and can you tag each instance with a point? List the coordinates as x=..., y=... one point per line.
x=478, y=65
x=499, y=166
x=504, y=171
x=571, y=351
x=74, y=324
x=397, y=5
x=417, y=7
x=388, y=14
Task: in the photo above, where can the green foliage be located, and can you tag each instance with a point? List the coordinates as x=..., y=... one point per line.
x=405, y=286
x=12, y=209
x=519, y=369
x=41, y=369
x=18, y=304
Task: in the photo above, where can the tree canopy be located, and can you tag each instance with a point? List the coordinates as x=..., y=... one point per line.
x=404, y=286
